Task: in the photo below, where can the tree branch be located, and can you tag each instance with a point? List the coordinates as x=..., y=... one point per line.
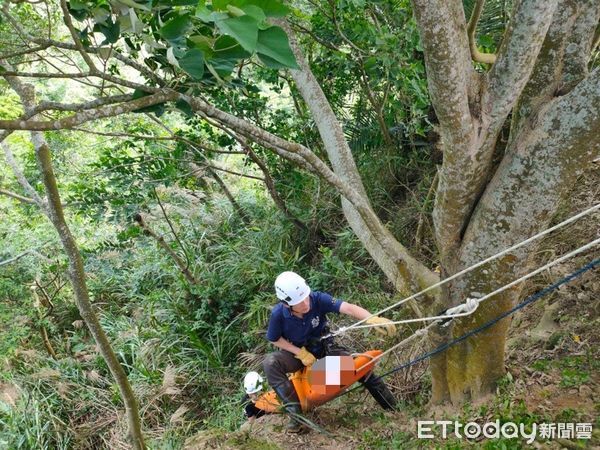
x=540, y=168
x=88, y=115
x=449, y=70
x=516, y=58
x=25, y=52
x=10, y=159
x=46, y=75
x=572, y=26
x=304, y=157
x=114, y=54
x=109, y=100
x=75, y=36
x=197, y=172
x=405, y=272
x=486, y=58
x=468, y=153
x=270, y=183
x=172, y=228
x=55, y=213
x=163, y=244
x=16, y=196
x=15, y=258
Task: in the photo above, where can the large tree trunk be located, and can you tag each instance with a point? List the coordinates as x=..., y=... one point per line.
x=481, y=209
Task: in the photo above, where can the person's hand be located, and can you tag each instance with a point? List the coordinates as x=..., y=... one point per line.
x=307, y=358
x=385, y=326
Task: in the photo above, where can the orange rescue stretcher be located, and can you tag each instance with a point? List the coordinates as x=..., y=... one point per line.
x=323, y=381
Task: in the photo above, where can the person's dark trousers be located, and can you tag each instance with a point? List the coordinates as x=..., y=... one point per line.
x=276, y=366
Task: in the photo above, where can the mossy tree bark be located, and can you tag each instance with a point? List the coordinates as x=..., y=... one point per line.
x=78, y=280
x=484, y=206
x=53, y=209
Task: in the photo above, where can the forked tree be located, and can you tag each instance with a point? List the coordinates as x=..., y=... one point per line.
x=493, y=192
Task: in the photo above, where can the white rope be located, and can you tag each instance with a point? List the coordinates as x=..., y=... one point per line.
x=478, y=300
x=468, y=269
x=464, y=309
x=471, y=304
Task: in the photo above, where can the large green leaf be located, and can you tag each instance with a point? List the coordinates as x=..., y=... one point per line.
x=110, y=30
x=227, y=53
x=202, y=42
x=255, y=12
x=228, y=48
x=175, y=29
x=273, y=43
x=271, y=63
x=193, y=63
x=271, y=8
x=243, y=29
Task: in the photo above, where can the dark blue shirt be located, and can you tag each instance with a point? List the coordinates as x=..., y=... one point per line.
x=300, y=331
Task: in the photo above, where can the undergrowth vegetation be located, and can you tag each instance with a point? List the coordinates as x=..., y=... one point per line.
x=184, y=347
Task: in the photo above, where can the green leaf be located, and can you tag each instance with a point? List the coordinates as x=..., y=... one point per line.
x=274, y=45
x=227, y=53
x=220, y=5
x=110, y=30
x=271, y=8
x=222, y=67
x=255, y=12
x=235, y=11
x=243, y=29
x=176, y=28
x=271, y=63
x=184, y=107
x=138, y=93
x=77, y=5
x=214, y=73
x=143, y=5
x=203, y=13
x=203, y=43
x=193, y=63
x=79, y=14
x=228, y=48
x=216, y=16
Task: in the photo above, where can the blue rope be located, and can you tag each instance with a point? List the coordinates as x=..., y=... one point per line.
x=488, y=324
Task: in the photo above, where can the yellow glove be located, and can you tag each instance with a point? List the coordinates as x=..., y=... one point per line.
x=386, y=328
x=307, y=358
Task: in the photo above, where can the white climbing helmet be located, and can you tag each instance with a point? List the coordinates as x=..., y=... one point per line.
x=291, y=288
x=253, y=383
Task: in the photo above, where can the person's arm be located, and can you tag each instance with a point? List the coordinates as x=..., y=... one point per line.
x=355, y=311
x=284, y=344
x=382, y=325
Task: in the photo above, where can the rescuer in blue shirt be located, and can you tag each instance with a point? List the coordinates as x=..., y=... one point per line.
x=296, y=326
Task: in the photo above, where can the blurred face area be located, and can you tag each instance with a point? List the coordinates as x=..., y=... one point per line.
x=303, y=307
